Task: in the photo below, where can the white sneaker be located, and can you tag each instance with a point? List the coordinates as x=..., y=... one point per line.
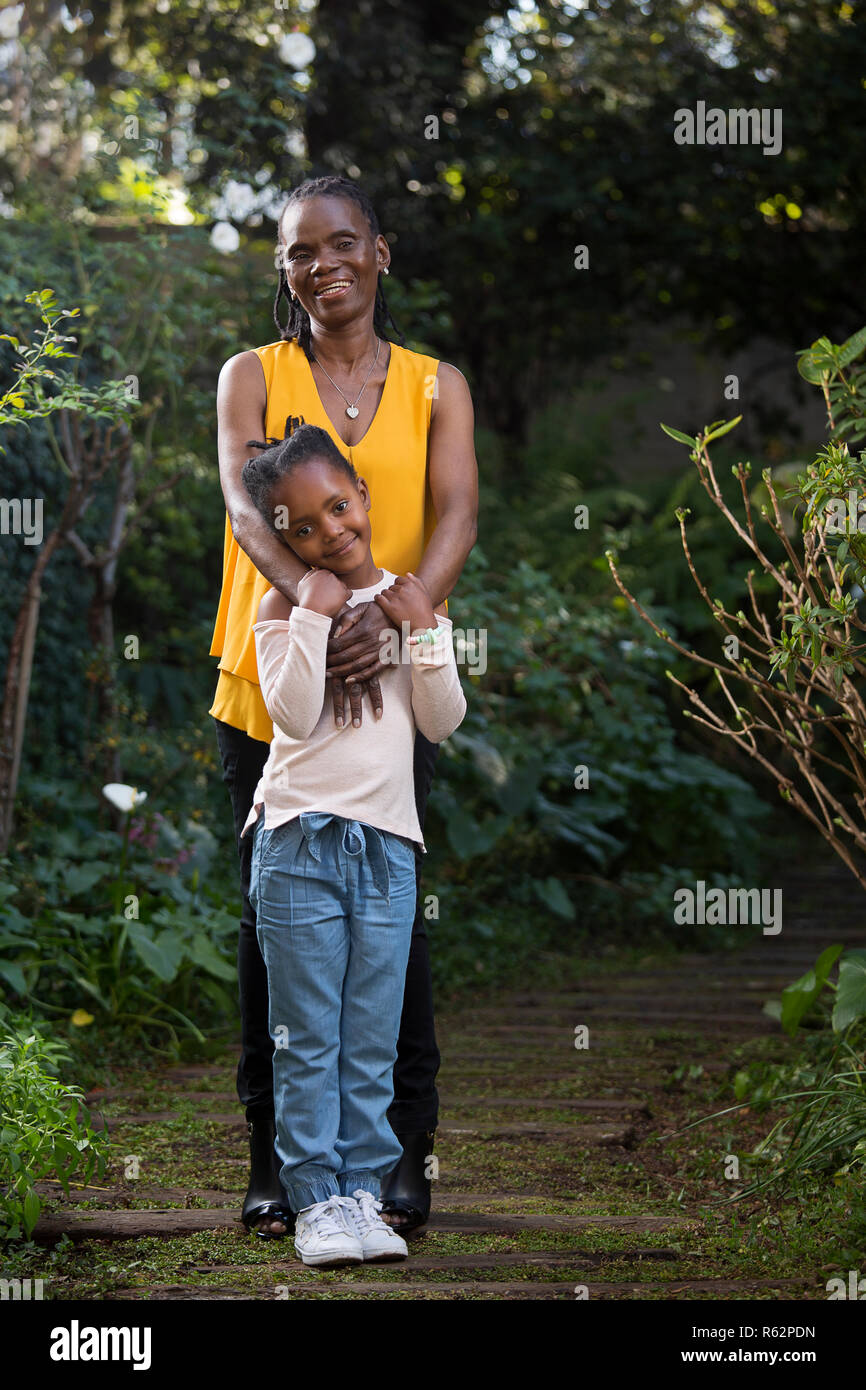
x=379, y=1241
x=325, y=1233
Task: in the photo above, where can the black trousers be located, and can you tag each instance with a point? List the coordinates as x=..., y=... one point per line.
x=416, y=1101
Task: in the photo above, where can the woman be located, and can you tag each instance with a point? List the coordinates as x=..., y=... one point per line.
x=405, y=422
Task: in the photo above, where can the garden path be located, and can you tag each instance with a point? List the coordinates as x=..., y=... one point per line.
x=561, y=1174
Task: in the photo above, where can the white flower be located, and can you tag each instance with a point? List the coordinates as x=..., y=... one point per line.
x=295, y=143
x=9, y=22
x=225, y=237
x=123, y=797
x=297, y=50
x=238, y=200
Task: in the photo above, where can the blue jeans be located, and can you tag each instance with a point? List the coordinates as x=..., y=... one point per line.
x=334, y=902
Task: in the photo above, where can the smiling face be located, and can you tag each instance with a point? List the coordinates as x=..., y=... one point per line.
x=328, y=525
x=332, y=259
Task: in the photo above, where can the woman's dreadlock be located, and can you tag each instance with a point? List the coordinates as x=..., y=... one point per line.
x=298, y=326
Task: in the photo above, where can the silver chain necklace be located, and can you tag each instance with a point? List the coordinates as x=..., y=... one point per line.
x=352, y=410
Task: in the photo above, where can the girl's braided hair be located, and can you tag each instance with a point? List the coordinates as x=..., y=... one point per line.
x=298, y=325
x=282, y=457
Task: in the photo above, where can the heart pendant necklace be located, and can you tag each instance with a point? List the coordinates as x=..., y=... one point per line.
x=352, y=410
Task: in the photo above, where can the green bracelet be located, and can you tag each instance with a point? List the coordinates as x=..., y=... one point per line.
x=429, y=636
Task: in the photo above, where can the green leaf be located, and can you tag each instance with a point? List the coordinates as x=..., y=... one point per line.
x=850, y=991
x=679, y=436
x=203, y=952
x=13, y=974
x=852, y=348
x=468, y=836
x=799, y=997
x=816, y=361
x=32, y=1208
x=172, y=945
x=80, y=878
x=722, y=429
x=150, y=953
x=520, y=789
x=809, y=368
x=554, y=896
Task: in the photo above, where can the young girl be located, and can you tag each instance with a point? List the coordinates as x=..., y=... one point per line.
x=333, y=866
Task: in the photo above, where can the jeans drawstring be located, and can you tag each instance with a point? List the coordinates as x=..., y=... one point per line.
x=357, y=839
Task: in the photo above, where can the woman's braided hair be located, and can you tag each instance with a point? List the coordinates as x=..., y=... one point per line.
x=298, y=325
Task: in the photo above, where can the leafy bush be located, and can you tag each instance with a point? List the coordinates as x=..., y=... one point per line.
x=571, y=685
x=801, y=667
x=822, y=1092
x=43, y=1132
x=139, y=933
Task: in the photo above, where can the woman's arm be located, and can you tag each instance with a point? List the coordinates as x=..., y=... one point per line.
x=453, y=474
x=241, y=408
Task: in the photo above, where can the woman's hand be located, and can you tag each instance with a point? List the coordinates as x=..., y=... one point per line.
x=354, y=660
x=407, y=601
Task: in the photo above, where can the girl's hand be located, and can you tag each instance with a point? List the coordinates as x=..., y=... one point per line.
x=407, y=601
x=323, y=592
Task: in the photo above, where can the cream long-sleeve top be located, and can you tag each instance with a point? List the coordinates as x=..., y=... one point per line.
x=363, y=773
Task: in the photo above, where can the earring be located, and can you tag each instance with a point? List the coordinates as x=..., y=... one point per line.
x=385, y=270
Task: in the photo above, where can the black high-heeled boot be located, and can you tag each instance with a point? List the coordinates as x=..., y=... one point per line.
x=407, y=1190
x=265, y=1199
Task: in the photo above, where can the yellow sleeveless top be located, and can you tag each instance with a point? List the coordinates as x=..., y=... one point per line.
x=391, y=457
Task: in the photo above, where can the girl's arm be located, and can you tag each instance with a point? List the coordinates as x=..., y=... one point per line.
x=438, y=702
x=291, y=646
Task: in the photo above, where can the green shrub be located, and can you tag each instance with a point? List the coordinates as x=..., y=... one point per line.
x=44, y=1130
x=822, y=1090
x=571, y=684
x=139, y=934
